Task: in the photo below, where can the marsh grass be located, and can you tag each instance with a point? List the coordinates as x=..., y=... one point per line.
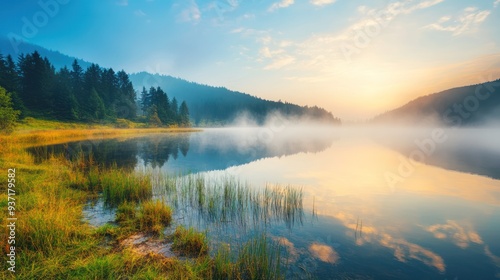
x=119, y=186
x=154, y=216
x=230, y=201
x=258, y=258
x=190, y=242
x=53, y=242
x=126, y=214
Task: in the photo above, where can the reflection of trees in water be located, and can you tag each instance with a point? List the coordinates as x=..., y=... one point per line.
x=156, y=151
x=105, y=153
x=208, y=150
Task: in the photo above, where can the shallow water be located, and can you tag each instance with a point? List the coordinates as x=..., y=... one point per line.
x=376, y=205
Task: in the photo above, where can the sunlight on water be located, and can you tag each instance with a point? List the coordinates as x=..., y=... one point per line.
x=367, y=208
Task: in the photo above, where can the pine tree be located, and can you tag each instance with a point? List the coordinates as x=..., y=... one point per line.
x=9, y=79
x=184, y=115
x=95, y=106
x=65, y=105
x=126, y=100
x=36, y=76
x=8, y=115
x=174, y=108
x=109, y=89
x=153, y=119
x=145, y=100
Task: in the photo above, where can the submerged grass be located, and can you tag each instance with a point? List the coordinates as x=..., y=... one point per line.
x=258, y=258
x=119, y=186
x=52, y=241
x=229, y=201
x=190, y=242
x=154, y=216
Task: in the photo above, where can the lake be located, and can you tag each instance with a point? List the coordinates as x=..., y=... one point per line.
x=375, y=203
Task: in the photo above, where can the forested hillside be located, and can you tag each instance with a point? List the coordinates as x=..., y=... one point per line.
x=218, y=105
x=470, y=105
x=207, y=105
x=38, y=89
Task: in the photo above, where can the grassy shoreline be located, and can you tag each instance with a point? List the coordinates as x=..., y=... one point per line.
x=38, y=132
x=53, y=242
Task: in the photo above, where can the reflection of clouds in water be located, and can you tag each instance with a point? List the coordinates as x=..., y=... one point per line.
x=293, y=254
x=461, y=235
x=495, y=259
x=324, y=252
x=404, y=250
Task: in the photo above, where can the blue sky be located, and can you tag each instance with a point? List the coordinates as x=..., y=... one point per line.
x=355, y=58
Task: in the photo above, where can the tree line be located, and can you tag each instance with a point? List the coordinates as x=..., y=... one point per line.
x=160, y=110
x=218, y=106
x=36, y=89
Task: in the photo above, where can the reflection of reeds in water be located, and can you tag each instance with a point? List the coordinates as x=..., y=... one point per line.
x=231, y=201
x=258, y=258
x=359, y=229
x=116, y=185
x=314, y=212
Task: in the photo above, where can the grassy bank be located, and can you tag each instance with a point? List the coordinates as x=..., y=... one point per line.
x=33, y=132
x=52, y=241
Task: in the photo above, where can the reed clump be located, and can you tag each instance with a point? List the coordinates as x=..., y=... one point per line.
x=53, y=241
x=190, y=242
x=258, y=258
x=154, y=216
x=119, y=186
x=230, y=201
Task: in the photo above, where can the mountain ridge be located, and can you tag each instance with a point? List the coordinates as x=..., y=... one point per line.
x=209, y=105
x=476, y=104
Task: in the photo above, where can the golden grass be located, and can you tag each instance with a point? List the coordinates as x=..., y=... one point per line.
x=48, y=137
x=190, y=242
x=52, y=241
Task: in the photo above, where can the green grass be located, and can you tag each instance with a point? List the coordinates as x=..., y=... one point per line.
x=229, y=201
x=258, y=258
x=119, y=186
x=53, y=242
x=126, y=215
x=190, y=242
x=154, y=216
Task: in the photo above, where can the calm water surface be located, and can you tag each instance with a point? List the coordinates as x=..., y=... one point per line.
x=368, y=211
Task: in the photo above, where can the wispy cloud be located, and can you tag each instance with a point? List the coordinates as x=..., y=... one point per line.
x=222, y=7
x=466, y=22
x=322, y=2
x=322, y=54
x=281, y=4
x=496, y=3
x=280, y=62
x=191, y=13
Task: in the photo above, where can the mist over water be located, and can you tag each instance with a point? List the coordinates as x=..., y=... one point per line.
x=382, y=202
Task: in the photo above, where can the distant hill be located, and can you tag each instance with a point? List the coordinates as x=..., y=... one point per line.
x=58, y=59
x=208, y=105
x=219, y=105
x=469, y=106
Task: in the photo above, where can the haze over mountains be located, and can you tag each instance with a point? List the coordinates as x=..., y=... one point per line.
x=208, y=105
x=472, y=105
